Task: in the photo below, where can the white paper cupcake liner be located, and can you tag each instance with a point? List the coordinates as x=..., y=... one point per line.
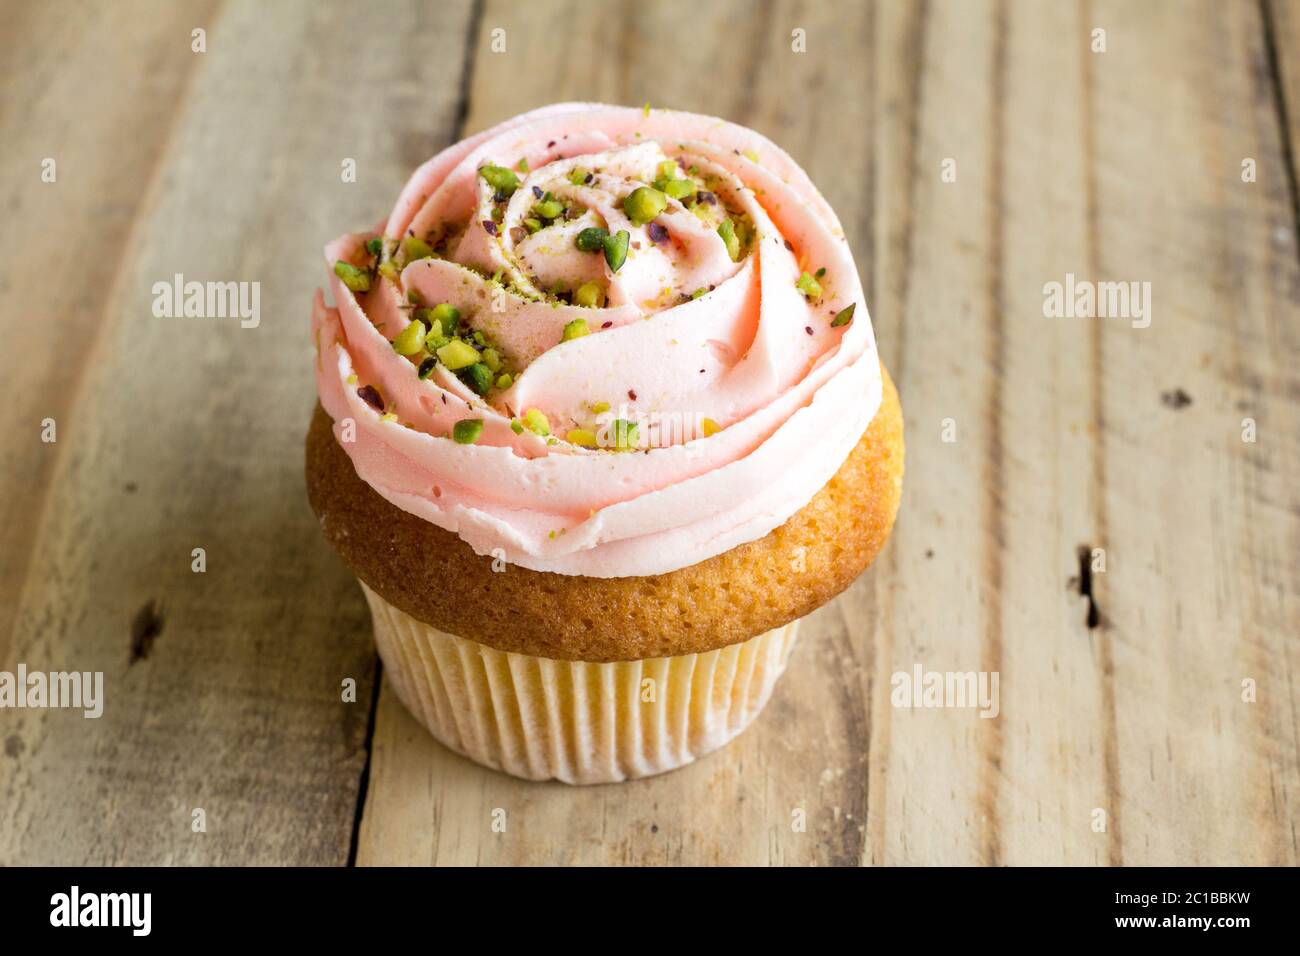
x=575, y=721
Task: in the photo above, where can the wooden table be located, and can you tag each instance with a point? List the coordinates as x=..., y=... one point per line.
x=1123, y=735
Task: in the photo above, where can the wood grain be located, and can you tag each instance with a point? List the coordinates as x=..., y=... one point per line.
x=184, y=433
x=1070, y=433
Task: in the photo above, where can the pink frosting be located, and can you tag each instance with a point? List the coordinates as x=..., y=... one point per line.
x=791, y=394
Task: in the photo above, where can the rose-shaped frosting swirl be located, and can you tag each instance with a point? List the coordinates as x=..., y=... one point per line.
x=634, y=414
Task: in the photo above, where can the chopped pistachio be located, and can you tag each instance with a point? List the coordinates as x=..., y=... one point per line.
x=478, y=377
x=624, y=433
x=532, y=225
x=809, y=286
x=374, y=246
x=413, y=247
x=410, y=340
x=591, y=239
x=578, y=175
x=647, y=108
x=458, y=354
x=536, y=422
x=844, y=316
x=581, y=436
x=575, y=329
x=819, y=273
x=492, y=359
x=616, y=249
x=750, y=155
x=504, y=381
x=427, y=367
x=666, y=170
x=352, y=379
x=699, y=292
x=599, y=407
x=499, y=178
x=680, y=188
x=389, y=417
x=644, y=204
x=516, y=426
x=549, y=209
x=389, y=270
x=589, y=295
x=728, y=233
x=446, y=315
x=358, y=280
x=522, y=165
x=467, y=430
x=710, y=427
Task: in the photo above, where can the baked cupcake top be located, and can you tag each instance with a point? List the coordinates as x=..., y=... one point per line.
x=599, y=340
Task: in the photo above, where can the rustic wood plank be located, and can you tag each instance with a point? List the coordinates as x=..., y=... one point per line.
x=807, y=751
x=187, y=433
x=1282, y=31
x=1204, y=527
x=103, y=152
x=1116, y=165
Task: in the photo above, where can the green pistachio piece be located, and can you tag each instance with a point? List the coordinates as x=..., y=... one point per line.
x=374, y=246
x=492, y=359
x=389, y=270
x=478, y=377
x=575, y=329
x=447, y=316
x=616, y=249
x=809, y=286
x=516, y=426
x=410, y=340
x=532, y=225
x=467, y=430
x=644, y=204
x=667, y=170
x=504, y=381
x=358, y=280
x=589, y=295
x=680, y=188
x=624, y=433
x=549, y=209
x=844, y=316
x=458, y=354
x=591, y=239
x=536, y=422
x=413, y=247
x=500, y=179
x=581, y=436
x=578, y=175
x=728, y=233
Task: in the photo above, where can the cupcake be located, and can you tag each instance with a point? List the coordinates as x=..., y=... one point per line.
x=601, y=419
